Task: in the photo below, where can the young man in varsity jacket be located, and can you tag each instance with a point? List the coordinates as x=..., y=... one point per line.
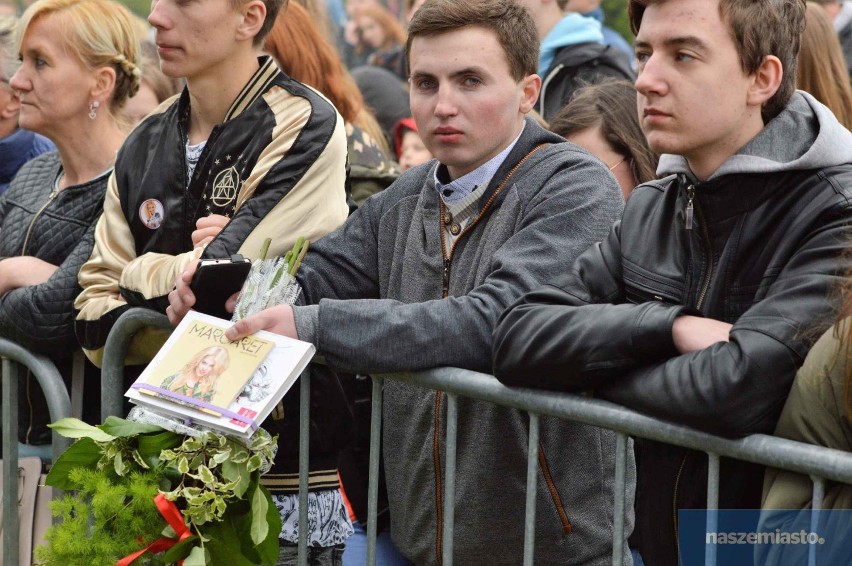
x=242, y=154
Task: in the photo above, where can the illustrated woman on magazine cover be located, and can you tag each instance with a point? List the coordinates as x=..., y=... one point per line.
x=200, y=375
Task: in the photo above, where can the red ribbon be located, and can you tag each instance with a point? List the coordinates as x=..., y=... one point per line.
x=172, y=515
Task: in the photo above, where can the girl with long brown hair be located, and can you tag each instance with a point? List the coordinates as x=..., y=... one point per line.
x=303, y=53
x=383, y=33
x=818, y=411
x=822, y=68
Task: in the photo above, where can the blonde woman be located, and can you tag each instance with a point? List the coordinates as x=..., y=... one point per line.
x=78, y=66
x=200, y=376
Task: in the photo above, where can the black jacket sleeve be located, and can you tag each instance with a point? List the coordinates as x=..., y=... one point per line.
x=579, y=333
x=555, y=338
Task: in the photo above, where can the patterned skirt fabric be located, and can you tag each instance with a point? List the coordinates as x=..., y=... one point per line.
x=328, y=520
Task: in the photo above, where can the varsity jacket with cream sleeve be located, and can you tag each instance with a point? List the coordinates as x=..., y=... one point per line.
x=276, y=166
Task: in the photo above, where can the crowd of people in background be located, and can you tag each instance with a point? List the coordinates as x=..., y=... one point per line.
x=505, y=186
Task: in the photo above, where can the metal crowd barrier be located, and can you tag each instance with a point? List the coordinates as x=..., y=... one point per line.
x=15, y=359
x=115, y=351
x=818, y=462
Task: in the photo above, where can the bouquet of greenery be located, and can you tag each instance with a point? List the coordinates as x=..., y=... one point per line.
x=136, y=490
x=154, y=488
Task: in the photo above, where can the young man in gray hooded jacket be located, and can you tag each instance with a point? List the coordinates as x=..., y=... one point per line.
x=418, y=276
x=704, y=299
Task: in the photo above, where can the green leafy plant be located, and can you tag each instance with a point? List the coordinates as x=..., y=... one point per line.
x=217, y=511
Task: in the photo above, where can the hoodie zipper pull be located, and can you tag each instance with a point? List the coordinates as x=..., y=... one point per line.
x=690, y=207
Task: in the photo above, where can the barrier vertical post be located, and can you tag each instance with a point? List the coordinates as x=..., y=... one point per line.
x=115, y=351
x=373, y=485
x=619, y=495
x=532, y=490
x=817, y=497
x=712, y=524
x=10, y=461
x=304, y=438
x=450, y=485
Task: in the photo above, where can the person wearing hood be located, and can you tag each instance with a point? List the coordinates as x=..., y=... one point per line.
x=840, y=12
x=592, y=9
x=704, y=299
x=572, y=54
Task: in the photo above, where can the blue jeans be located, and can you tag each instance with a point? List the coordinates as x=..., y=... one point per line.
x=386, y=553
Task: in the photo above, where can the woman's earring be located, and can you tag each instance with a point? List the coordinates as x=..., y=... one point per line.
x=93, y=109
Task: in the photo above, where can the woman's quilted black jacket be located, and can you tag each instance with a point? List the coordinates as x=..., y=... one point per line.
x=59, y=229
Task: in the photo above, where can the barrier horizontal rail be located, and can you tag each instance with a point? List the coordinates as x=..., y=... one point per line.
x=762, y=449
x=15, y=357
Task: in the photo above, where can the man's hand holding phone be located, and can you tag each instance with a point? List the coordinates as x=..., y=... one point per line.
x=209, y=286
x=181, y=299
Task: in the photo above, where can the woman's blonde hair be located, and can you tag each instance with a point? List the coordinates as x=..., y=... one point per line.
x=221, y=361
x=100, y=33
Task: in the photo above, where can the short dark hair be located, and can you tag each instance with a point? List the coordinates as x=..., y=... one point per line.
x=273, y=7
x=512, y=24
x=758, y=28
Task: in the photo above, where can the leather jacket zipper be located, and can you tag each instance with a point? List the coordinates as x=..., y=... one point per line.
x=692, y=209
x=50, y=198
x=711, y=263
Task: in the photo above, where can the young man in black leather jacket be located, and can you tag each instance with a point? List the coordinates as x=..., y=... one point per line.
x=706, y=296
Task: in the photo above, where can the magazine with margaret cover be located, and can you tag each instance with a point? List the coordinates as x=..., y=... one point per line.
x=201, y=376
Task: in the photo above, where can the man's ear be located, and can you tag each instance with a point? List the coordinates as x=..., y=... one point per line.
x=254, y=14
x=766, y=81
x=530, y=87
x=11, y=109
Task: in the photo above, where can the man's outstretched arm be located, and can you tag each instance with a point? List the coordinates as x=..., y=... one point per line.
x=639, y=356
x=365, y=333
x=579, y=332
